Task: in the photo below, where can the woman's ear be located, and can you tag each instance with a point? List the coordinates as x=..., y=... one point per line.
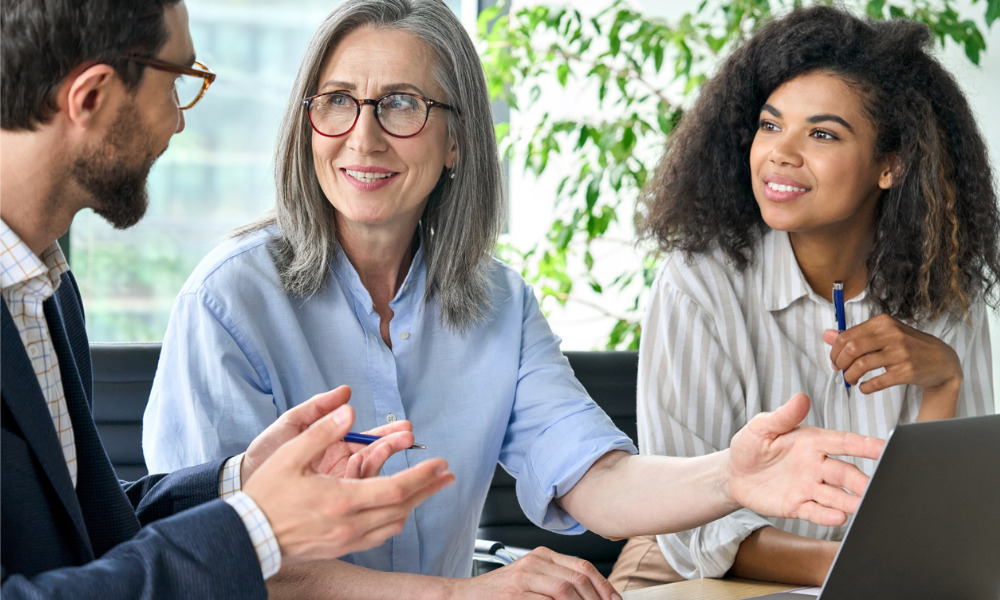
x=88, y=93
x=891, y=173
x=452, y=158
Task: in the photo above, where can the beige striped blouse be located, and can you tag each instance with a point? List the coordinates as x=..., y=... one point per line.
x=720, y=346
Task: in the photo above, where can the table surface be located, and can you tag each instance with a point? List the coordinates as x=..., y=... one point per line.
x=708, y=589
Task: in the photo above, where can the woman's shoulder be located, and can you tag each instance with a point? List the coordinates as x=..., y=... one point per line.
x=700, y=273
x=234, y=263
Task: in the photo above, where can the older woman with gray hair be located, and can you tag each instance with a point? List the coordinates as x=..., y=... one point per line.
x=375, y=270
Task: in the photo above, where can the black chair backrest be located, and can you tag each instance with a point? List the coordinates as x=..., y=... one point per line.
x=123, y=376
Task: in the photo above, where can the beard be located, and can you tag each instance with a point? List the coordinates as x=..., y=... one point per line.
x=107, y=173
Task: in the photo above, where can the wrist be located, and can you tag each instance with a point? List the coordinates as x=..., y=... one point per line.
x=726, y=488
x=940, y=401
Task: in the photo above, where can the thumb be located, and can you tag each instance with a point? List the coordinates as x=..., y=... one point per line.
x=303, y=448
x=787, y=417
x=317, y=407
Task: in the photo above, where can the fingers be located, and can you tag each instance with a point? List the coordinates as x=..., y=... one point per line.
x=553, y=575
x=384, y=430
x=367, y=461
x=782, y=420
x=586, y=576
x=313, y=442
x=317, y=407
x=822, y=515
x=839, y=443
x=844, y=475
x=407, y=488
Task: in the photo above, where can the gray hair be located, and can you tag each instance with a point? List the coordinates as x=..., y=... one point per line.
x=463, y=217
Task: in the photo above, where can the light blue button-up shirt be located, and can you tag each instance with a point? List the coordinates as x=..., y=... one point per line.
x=239, y=351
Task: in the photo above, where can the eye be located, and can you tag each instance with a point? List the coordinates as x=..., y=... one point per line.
x=338, y=100
x=821, y=134
x=400, y=103
x=765, y=125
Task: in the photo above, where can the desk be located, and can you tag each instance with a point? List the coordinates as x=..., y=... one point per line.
x=708, y=589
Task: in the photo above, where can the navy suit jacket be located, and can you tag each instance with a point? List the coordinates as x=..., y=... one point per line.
x=164, y=536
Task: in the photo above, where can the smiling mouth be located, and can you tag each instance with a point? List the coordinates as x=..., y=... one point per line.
x=368, y=177
x=779, y=187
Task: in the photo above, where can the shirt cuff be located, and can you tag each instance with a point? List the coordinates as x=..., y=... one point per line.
x=261, y=534
x=229, y=477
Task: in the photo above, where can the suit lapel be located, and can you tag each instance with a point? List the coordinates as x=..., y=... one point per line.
x=109, y=516
x=24, y=399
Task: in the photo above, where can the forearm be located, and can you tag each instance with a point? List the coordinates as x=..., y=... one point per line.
x=624, y=495
x=940, y=402
x=324, y=580
x=770, y=554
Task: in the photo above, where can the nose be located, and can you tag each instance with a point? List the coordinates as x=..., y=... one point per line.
x=367, y=135
x=180, y=121
x=785, y=152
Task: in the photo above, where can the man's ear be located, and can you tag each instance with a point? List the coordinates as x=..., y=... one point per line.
x=87, y=94
x=892, y=172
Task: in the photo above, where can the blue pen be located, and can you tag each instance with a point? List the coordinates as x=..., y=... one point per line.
x=838, y=306
x=364, y=438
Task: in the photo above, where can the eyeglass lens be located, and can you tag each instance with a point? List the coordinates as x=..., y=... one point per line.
x=188, y=87
x=399, y=114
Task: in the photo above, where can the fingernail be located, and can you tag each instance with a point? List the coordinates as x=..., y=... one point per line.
x=338, y=415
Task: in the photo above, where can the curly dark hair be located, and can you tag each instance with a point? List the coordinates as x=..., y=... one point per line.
x=936, y=228
x=42, y=41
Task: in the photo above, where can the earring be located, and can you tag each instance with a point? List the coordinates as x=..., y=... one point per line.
x=451, y=173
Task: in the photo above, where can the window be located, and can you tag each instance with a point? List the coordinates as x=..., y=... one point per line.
x=216, y=175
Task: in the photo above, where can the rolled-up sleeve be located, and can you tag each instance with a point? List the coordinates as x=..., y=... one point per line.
x=552, y=412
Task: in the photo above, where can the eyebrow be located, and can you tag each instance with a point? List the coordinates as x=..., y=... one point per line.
x=385, y=89
x=813, y=119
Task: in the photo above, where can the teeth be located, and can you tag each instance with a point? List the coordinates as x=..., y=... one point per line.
x=366, y=176
x=778, y=187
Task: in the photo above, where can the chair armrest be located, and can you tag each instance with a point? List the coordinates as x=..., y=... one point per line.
x=490, y=554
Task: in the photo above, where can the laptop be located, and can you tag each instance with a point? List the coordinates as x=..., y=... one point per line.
x=929, y=522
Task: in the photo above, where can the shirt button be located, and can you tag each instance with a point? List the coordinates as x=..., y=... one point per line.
x=405, y=335
x=840, y=378
x=34, y=351
x=406, y=287
x=390, y=418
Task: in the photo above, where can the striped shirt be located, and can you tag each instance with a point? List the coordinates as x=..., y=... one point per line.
x=720, y=346
x=27, y=281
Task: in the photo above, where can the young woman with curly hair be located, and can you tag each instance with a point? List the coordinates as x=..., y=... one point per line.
x=828, y=148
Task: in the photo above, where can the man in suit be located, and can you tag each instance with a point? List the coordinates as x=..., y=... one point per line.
x=88, y=104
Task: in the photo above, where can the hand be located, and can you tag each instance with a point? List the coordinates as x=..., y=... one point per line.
x=908, y=356
x=341, y=458
x=780, y=469
x=541, y=573
x=315, y=515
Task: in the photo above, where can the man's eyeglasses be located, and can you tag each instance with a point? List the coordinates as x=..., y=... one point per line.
x=191, y=84
x=402, y=115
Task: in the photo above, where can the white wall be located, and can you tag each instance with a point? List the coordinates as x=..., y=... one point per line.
x=584, y=326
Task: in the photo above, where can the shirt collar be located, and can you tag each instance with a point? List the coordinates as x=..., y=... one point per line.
x=783, y=280
x=412, y=285
x=18, y=264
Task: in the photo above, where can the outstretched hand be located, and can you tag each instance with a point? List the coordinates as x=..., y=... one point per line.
x=781, y=469
x=316, y=515
x=341, y=459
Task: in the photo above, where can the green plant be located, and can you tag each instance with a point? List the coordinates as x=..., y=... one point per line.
x=631, y=76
